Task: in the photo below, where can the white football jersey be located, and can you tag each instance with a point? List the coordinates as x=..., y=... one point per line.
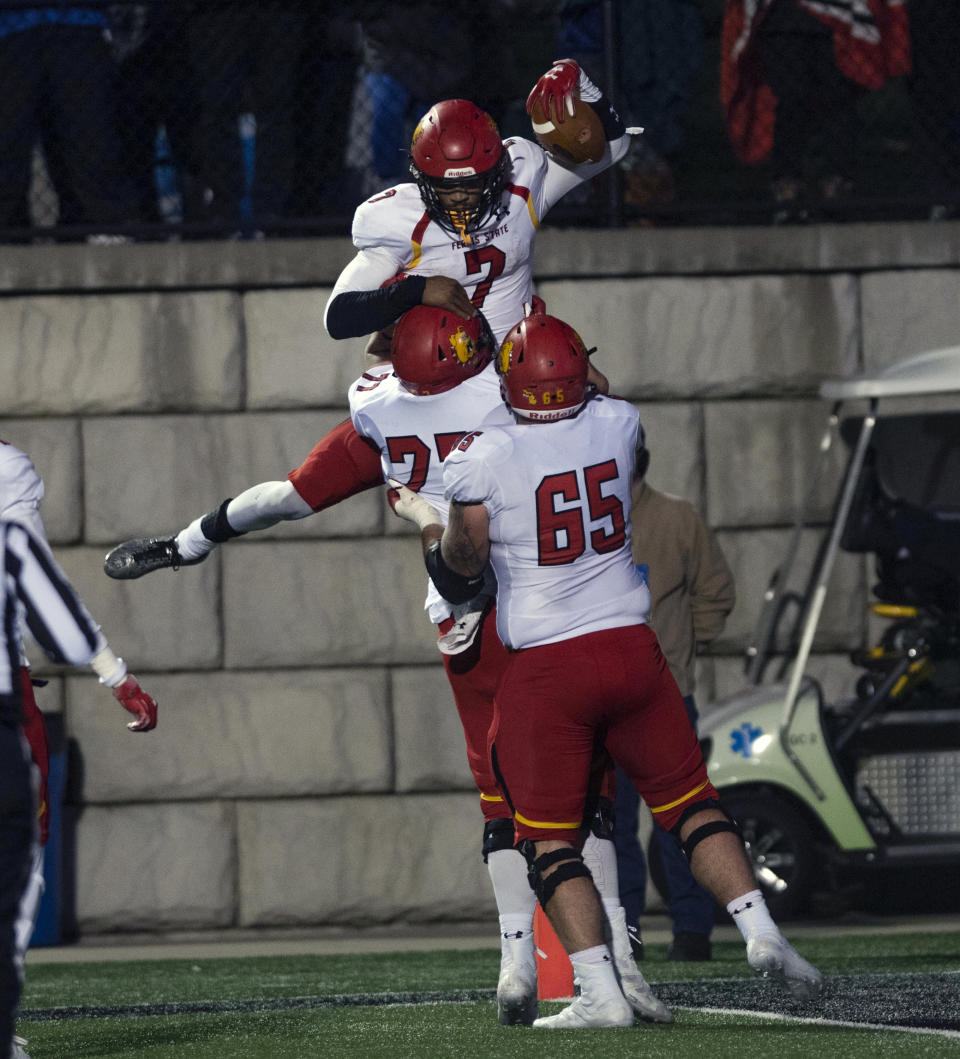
x=558, y=497
x=415, y=434
x=394, y=234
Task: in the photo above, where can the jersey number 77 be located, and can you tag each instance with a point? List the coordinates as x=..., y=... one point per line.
x=400, y=448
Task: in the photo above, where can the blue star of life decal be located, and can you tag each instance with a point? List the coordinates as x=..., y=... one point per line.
x=742, y=739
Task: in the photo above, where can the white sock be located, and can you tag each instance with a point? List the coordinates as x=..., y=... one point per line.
x=516, y=926
x=191, y=543
x=600, y=856
x=751, y=915
x=612, y=906
x=511, y=888
x=591, y=957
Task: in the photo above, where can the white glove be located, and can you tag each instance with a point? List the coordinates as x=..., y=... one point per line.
x=413, y=507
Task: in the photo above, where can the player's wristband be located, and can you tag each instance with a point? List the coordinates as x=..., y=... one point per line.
x=110, y=669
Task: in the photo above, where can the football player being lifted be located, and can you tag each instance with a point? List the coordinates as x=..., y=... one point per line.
x=459, y=237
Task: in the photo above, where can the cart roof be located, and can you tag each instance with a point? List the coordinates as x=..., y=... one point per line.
x=937, y=371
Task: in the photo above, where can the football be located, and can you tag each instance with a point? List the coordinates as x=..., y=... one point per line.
x=576, y=139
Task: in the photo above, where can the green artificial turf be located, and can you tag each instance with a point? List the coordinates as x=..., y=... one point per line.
x=421, y=1005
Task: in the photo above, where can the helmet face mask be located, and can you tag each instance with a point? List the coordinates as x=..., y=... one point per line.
x=434, y=350
x=457, y=146
x=543, y=367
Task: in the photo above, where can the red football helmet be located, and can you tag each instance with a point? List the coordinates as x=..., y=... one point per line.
x=543, y=367
x=454, y=145
x=434, y=350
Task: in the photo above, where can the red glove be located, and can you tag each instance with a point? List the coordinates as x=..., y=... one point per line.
x=133, y=698
x=556, y=90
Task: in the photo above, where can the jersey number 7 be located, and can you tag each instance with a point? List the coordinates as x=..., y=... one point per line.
x=562, y=535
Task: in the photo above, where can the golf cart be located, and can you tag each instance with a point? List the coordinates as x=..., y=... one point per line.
x=871, y=781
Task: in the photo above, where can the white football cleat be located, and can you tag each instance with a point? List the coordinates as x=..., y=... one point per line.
x=642, y=1001
x=19, y=1049
x=584, y=1013
x=516, y=998
x=517, y=987
x=772, y=956
x=635, y=987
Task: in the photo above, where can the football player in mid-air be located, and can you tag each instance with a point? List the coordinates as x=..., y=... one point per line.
x=546, y=500
x=461, y=237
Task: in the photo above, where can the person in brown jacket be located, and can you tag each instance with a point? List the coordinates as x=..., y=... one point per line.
x=691, y=594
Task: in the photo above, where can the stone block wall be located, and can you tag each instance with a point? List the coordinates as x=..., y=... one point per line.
x=308, y=769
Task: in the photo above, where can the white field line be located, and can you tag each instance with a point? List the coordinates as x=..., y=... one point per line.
x=775, y=1016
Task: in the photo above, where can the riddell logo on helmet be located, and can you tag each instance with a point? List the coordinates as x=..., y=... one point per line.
x=547, y=417
x=455, y=174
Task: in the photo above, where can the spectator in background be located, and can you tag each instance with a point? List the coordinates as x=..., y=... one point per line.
x=157, y=110
x=301, y=128
x=60, y=90
x=691, y=594
x=935, y=102
x=414, y=54
x=326, y=79
x=245, y=60
x=527, y=34
x=660, y=52
x=792, y=74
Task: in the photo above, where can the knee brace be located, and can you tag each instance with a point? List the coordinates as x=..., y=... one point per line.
x=602, y=819
x=705, y=830
x=571, y=866
x=497, y=835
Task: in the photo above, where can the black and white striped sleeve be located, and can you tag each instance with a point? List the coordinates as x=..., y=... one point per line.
x=57, y=619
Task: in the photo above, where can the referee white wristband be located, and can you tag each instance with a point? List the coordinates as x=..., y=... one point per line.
x=110, y=669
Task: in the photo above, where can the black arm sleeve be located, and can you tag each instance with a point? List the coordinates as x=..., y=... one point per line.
x=613, y=127
x=454, y=587
x=361, y=312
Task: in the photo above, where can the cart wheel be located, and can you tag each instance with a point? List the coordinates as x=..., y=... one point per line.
x=780, y=845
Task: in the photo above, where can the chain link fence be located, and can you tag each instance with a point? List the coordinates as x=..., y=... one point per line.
x=241, y=118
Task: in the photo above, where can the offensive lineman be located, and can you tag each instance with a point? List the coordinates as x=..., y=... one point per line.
x=546, y=500
x=442, y=379
x=34, y=590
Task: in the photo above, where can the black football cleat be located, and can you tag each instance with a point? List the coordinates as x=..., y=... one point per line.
x=143, y=555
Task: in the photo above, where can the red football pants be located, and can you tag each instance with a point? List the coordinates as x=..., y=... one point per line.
x=557, y=701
